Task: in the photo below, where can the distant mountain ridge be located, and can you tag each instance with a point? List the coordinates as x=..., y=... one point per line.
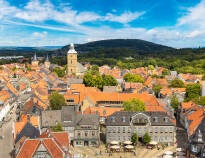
x=132, y=44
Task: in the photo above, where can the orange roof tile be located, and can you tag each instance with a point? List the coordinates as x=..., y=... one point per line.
x=187, y=105
x=52, y=148
x=28, y=149
x=18, y=126
x=103, y=111
x=62, y=139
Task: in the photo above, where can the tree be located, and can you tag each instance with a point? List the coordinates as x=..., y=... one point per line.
x=150, y=67
x=146, y=138
x=156, y=89
x=174, y=102
x=60, y=72
x=56, y=101
x=109, y=80
x=177, y=83
x=57, y=128
x=134, y=138
x=165, y=72
x=200, y=100
x=133, y=78
x=14, y=75
x=192, y=91
x=134, y=105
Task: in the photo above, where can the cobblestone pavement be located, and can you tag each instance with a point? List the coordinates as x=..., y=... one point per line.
x=141, y=152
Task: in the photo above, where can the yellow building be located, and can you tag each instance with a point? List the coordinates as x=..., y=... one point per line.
x=72, y=61
x=34, y=61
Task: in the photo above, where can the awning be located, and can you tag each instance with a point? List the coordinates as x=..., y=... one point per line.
x=167, y=156
x=180, y=153
x=168, y=153
x=114, y=142
x=129, y=147
x=153, y=143
x=115, y=147
x=179, y=149
x=128, y=142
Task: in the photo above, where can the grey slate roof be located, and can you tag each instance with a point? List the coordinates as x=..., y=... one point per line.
x=70, y=118
x=118, y=116
x=109, y=89
x=50, y=118
x=28, y=131
x=75, y=81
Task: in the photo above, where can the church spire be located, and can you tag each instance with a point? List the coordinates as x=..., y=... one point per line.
x=35, y=58
x=47, y=59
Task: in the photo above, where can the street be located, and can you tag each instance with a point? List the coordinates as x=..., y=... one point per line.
x=6, y=144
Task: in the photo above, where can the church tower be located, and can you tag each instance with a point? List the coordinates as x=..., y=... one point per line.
x=47, y=63
x=71, y=60
x=35, y=61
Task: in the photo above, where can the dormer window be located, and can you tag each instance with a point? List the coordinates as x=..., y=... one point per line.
x=123, y=118
x=166, y=119
x=155, y=119
x=113, y=119
x=200, y=136
x=194, y=148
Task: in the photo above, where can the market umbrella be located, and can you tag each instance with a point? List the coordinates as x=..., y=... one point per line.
x=167, y=156
x=128, y=142
x=115, y=147
x=153, y=143
x=168, y=152
x=114, y=142
x=129, y=147
x=179, y=149
x=180, y=153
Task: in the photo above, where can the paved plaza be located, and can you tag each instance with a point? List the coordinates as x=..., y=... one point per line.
x=141, y=152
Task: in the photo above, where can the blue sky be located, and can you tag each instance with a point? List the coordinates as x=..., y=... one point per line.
x=176, y=23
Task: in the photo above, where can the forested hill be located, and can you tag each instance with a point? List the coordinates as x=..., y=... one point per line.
x=115, y=44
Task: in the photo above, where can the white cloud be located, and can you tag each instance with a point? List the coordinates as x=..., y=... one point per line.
x=6, y=9
x=193, y=34
x=195, y=16
x=36, y=11
x=124, y=18
x=40, y=34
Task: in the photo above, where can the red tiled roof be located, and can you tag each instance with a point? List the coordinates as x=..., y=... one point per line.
x=28, y=148
x=52, y=148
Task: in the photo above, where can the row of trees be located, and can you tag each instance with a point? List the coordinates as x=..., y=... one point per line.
x=146, y=138
x=98, y=80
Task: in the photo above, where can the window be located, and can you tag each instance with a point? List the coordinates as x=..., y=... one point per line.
x=78, y=133
x=166, y=119
x=123, y=118
x=155, y=119
x=113, y=119
x=86, y=133
x=70, y=100
x=118, y=129
x=93, y=133
x=194, y=148
x=123, y=129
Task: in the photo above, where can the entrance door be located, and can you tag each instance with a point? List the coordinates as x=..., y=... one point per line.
x=85, y=143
